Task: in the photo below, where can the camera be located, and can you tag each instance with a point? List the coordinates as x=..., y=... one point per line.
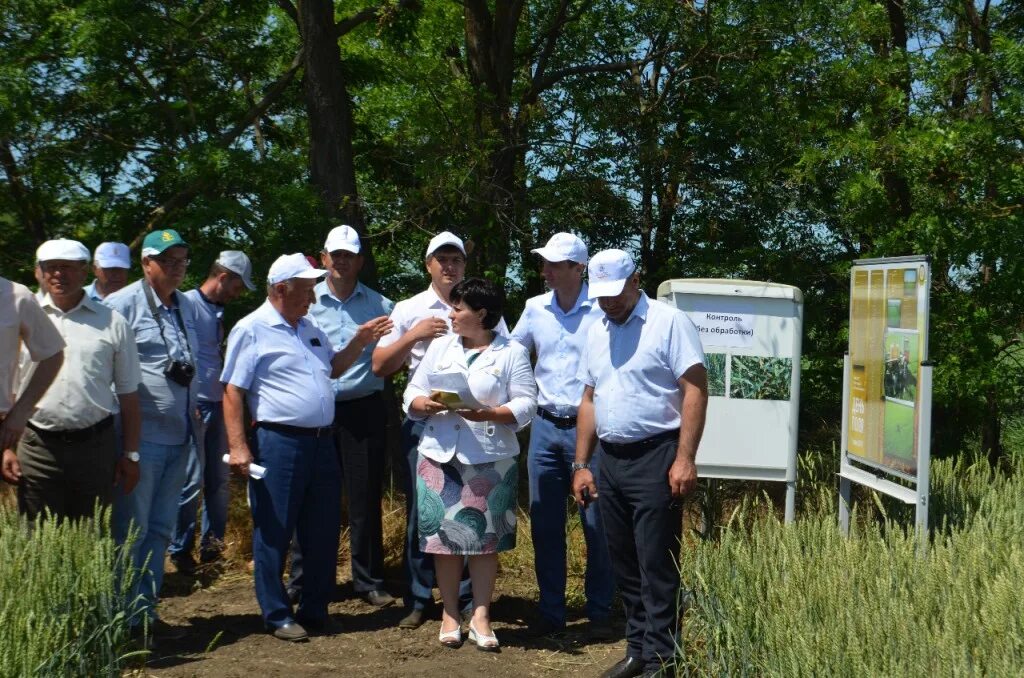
x=180, y=372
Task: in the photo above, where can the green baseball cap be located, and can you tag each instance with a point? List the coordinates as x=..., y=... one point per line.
x=157, y=241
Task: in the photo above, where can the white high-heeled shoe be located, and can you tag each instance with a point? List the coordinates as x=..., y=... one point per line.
x=451, y=638
x=483, y=643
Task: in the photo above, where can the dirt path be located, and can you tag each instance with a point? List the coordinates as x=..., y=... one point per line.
x=227, y=639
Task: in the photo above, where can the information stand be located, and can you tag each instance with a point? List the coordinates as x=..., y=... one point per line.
x=751, y=332
x=887, y=385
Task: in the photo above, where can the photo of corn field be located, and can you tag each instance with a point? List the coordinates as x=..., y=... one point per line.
x=760, y=378
x=715, y=363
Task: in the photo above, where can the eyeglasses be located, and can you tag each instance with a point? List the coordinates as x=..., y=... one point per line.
x=172, y=262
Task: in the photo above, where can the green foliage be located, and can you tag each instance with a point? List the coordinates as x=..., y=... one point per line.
x=760, y=378
x=802, y=600
x=62, y=607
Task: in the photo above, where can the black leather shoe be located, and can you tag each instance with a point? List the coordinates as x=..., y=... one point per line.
x=627, y=668
x=291, y=632
x=378, y=598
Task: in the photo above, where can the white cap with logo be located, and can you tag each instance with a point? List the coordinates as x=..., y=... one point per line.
x=288, y=266
x=113, y=255
x=445, y=238
x=239, y=264
x=563, y=247
x=342, y=238
x=608, y=272
x=67, y=250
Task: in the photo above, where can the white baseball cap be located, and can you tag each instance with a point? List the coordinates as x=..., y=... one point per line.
x=113, y=255
x=342, y=238
x=239, y=264
x=563, y=247
x=288, y=266
x=445, y=238
x=69, y=250
x=608, y=272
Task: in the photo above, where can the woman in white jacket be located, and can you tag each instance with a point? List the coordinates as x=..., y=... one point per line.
x=467, y=476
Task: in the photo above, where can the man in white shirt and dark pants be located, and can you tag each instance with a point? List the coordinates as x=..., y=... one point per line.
x=644, y=403
x=68, y=458
x=554, y=326
x=281, y=364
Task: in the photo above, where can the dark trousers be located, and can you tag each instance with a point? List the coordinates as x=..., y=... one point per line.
x=419, y=566
x=644, y=524
x=359, y=438
x=66, y=477
x=299, y=495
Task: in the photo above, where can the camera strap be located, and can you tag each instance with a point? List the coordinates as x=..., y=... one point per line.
x=183, y=335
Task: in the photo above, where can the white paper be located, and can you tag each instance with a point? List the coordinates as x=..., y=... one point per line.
x=455, y=382
x=255, y=470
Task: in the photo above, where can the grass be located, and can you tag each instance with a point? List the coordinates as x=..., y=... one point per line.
x=801, y=600
x=62, y=612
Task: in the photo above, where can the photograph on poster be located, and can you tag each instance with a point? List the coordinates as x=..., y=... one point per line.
x=901, y=356
x=715, y=363
x=760, y=378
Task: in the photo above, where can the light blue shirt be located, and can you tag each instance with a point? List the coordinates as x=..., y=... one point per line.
x=285, y=371
x=635, y=369
x=339, y=319
x=165, y=405
x=558, y=338
x=90, y=290
x=210, y=331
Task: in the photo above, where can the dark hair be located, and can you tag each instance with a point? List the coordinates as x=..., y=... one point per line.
x=478, y=293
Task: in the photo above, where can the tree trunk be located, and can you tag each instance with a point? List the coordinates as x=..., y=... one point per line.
x=331, y=127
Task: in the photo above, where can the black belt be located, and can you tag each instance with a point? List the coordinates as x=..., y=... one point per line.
x=638, y=447
x=315, y=432
x=559, y=422
x=76, y=436
x=368, y=397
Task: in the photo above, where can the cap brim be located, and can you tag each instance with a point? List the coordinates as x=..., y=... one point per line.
x=311, y=273
x=550, y=255
x=347, y=247
x=113, y=263
x=606, y=288
x=248, y=282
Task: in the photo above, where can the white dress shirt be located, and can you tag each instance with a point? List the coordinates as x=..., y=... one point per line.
x=635, y=369
x=500, y=375
x=558, y=338
x=410, y=311
x=100, y=353
x=22, y=323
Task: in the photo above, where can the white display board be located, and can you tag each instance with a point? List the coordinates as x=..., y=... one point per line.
x=751, y=332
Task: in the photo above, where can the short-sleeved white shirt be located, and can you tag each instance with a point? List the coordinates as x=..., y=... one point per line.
x=100, y=354
x=558, y=338
x=410, y=311
x=635, y=369
x=22, y=321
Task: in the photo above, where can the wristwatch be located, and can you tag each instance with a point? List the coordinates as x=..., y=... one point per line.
x=132, y=456
x=576, y=466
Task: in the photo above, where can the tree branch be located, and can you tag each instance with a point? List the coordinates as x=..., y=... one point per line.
x=30, y=212
x=289, y=9
x=182, y=197
x=349, y=24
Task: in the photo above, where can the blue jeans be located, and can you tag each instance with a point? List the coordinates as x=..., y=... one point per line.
x=419, y=566
x=207, y=473
x=552, y=452
x=151, y=507
x=300, y=495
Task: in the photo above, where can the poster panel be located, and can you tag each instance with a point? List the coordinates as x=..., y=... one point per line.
x=888, y=343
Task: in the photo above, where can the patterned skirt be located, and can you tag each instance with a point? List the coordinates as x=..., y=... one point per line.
x=466, y=509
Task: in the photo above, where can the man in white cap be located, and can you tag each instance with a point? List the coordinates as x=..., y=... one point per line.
x=164, y=323
x=343, y=304
x=554, y=326
x=644, y=402
x=418, y=321
x=281, y=363
x=227, y=277
x=111, y=263
x=68, y=458
x=23, y=324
